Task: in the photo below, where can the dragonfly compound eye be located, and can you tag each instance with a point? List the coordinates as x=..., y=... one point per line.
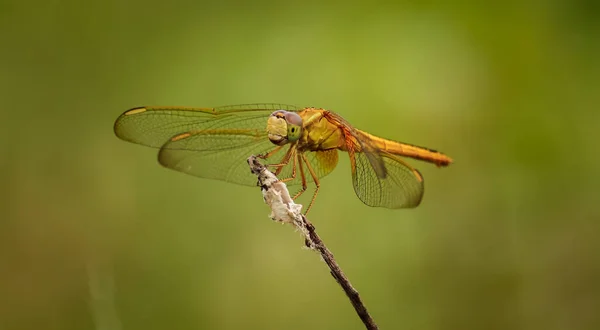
x=294, y=126
x=293, y=118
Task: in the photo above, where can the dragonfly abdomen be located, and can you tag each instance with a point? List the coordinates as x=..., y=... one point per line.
x=409, y=150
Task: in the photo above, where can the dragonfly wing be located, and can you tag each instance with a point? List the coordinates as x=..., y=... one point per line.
x=205, y=142
x=379, y=178
x=322, y=162
x=230, y=164
x=402, y=186
x=210, y=160
x=373, y=156
x=154, y=126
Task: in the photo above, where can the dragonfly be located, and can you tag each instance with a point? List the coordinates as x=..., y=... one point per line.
x=301, y=145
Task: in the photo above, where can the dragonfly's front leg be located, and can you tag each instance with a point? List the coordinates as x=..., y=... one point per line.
x=284, y=161
x=270, y=153
x=291, y=154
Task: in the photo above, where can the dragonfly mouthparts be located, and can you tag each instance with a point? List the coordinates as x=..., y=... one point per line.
x=277, y=138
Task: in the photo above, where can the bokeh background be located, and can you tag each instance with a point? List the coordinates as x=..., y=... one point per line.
x=94, y=234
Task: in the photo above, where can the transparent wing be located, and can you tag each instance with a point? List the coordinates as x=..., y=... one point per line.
x=154, y=126
x=210, y=143
x=381, y=178
x=230, y=164
x=402, y=186
x=211, y=162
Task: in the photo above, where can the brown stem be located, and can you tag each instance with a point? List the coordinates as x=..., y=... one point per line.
x=284, y=209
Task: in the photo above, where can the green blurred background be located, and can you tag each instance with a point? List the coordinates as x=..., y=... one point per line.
x=94, y=234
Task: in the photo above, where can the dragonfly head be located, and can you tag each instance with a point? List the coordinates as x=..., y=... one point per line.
x=283, y=127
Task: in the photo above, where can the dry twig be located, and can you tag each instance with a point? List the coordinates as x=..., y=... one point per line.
x=283, y=209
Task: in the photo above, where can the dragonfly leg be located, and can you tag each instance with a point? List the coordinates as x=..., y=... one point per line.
x=295, y=157
x=314, y=176
x=270, y=153
x=284, y=161
x=303, y=178
x=290, y=154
